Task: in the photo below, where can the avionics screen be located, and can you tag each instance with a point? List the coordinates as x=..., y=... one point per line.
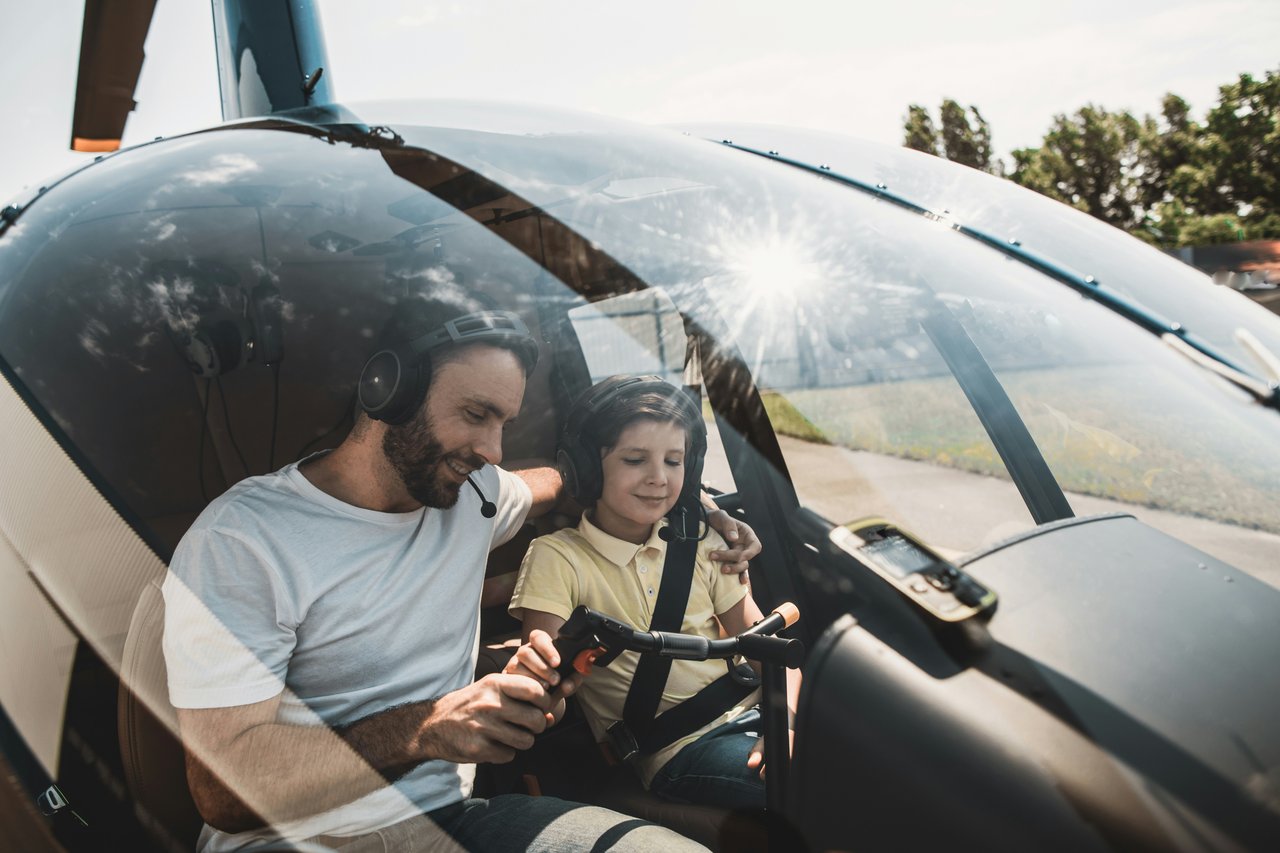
x=897, y=555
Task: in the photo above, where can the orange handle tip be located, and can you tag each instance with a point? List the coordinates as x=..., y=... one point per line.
x=789, y=613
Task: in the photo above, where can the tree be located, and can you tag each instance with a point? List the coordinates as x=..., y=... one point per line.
x=959, y=139
x=1089, y=160
x=1168, y=179
x=1217, y=182
x=920, y=132
x=963, y=142
x=1243, y=145
x=1169, y=154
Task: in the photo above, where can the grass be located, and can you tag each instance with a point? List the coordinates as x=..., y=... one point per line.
x=1108, y=433
x=788, y=420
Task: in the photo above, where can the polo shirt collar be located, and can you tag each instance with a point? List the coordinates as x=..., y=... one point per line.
x=615, y=550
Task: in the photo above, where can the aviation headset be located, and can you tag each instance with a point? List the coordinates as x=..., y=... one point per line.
x=578, y=456
x=225, y=339
x=393, y=382
x=220, y=343
x=220, y=325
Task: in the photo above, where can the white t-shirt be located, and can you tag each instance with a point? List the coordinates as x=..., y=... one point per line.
x=279, y=587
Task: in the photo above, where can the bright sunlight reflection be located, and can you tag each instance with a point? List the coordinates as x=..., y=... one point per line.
x=773, y=269
x=773, y=274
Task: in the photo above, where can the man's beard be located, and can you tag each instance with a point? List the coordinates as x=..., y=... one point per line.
x=416, y=456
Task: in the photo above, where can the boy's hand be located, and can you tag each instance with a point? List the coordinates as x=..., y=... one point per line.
x=756, y=757
x=742, y=542
x=538, y=659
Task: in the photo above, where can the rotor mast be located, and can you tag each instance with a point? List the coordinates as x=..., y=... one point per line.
x=271, y=56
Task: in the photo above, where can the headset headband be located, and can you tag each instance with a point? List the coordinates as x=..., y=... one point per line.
x=478, y=327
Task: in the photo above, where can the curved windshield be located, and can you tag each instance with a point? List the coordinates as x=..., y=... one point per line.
x=823, y=291
x=835, y=302
x=1047, y=229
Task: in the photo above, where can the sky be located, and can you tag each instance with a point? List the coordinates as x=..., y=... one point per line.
x=848, y=67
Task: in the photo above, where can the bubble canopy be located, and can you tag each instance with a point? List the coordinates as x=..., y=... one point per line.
x=1081, y=246
x=198, y=309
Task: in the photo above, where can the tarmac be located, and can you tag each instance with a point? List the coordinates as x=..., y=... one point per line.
x=958, y=512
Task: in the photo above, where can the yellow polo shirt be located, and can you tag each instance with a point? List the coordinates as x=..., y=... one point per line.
x=585, y=565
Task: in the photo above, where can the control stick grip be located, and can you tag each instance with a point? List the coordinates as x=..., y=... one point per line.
x=686, y=646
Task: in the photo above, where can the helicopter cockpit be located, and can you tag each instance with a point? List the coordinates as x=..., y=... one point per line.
x=189, y=313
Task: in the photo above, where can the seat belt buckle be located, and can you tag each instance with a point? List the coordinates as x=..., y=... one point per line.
x=744, y=674
x=623, y=741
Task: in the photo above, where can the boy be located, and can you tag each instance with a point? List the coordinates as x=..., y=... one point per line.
x=624, y=455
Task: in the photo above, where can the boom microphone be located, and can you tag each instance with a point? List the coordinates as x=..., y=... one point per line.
x=677, y=529
x=487, y=507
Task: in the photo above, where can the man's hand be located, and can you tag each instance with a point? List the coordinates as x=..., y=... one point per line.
x=488, y=720
x=742, y=542
x=538, y=659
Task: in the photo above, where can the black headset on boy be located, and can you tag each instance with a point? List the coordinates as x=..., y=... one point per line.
x=578, y=456
x=394, y=381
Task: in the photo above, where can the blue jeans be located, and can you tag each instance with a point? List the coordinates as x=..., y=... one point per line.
x=514, y=822
x=713, y=771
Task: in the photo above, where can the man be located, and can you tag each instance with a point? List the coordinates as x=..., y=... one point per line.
x=322, y=621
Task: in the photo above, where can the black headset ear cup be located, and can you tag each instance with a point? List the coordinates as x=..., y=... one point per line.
x=568, y=473
x=393, y=385
x=577, y=457
x=580, y=469
x=697, y=450
x=218, y=345
x=419, y=376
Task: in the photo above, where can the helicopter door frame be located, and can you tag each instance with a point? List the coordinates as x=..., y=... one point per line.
x=766, y=495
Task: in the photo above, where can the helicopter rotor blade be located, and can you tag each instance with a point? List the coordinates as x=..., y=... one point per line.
x=111, y=54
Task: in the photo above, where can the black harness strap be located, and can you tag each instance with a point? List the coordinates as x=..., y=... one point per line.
x=640, y=712
x=668, y=615
x=694, y=713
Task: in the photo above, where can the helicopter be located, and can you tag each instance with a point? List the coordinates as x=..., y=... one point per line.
x=919, y=381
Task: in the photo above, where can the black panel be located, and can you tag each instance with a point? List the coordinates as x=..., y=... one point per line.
x=1124, y=698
